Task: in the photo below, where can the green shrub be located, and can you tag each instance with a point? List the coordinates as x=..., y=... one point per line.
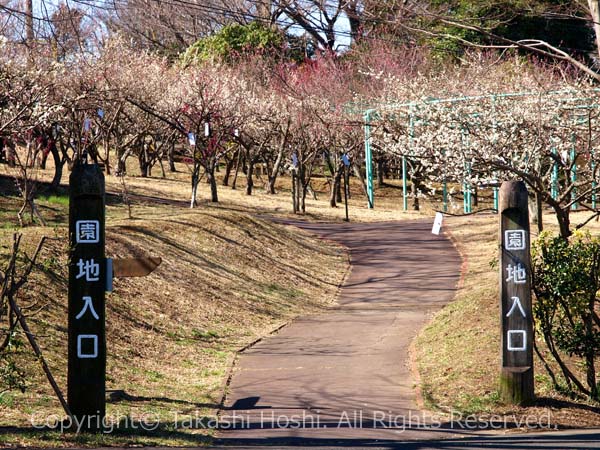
x=566, y=280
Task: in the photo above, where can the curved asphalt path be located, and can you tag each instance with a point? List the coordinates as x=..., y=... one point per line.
x=344, y=373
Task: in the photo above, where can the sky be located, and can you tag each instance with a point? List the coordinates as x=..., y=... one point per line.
x=44, y=8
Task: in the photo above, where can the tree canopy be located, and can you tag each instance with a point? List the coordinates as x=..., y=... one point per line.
x=233, y=40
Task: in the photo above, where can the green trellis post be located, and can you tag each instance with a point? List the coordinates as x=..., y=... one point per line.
x=445, y=195
x=554, y=178
x=495, y=191
x=444, y=188
x=404, y=185
x=467, y=205
x=369, y=159
x=594, y=185
x=411, y=137
x=573, y=170
x=467, y=198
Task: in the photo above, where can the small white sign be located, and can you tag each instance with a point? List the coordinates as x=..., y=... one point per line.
x=437, y=223
x=192, y=139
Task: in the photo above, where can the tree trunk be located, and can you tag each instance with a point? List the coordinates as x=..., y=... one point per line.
x=564, y=222
x=44, y=158
x=195, y=181
x=210, y=173
x=539, y=212
x=29, y=29
x=352, y=10
x=31, y=150
x=589, y=357
x=163, y=174
x=415, y=194
x=380, y=170
x=275, y=171
x=303, y=199
x=595, y=13
x=228, y=169
x=11, y=154
x=294, y=196
x=250, y=177
x=106, y=145
x=301, y=189
x=58, y=168
x=335, y=193
x=121, y=162
x=360, y=177
x=171, y=156
x=237, y=170
x=264, y=11
x=143, y=160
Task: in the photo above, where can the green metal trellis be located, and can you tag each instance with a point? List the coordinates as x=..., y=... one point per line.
x=411, y=108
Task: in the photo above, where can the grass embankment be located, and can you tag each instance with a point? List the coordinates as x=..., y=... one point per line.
x=458, y=353
x=227, y=278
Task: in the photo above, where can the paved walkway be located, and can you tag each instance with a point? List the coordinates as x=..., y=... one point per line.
x=344, y=373
x=568, y=440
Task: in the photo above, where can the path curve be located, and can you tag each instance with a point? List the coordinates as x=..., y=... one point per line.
x=345, y=372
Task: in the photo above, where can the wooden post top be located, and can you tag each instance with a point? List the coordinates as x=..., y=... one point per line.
x=513, y=194
x=86, y=180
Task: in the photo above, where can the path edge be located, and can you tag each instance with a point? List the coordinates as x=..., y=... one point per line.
x=412, y=349
x=238, y=353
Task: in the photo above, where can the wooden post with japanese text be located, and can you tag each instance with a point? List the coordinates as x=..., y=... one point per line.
x=516, y=378
x=87, y=282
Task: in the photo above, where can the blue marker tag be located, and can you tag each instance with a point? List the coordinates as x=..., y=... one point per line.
x=192, y=139
x=101, y=113
x=109, y=275
x=345, y=159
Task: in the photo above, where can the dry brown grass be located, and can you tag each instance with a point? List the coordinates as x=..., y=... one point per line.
x=388, y=205
x=228, y=277
x=458, y=353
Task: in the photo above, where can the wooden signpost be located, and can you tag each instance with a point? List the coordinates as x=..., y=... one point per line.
x=516, y=378
x=90, y=275
x=87, y=281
